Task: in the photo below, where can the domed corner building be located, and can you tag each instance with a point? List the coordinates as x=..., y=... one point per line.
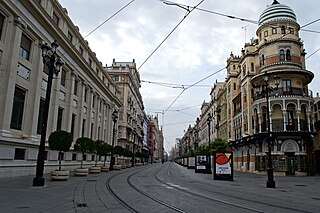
x=272, y=64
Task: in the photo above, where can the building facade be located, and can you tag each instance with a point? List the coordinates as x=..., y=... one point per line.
x=155, y=140
x=266, y=90
x=83, y=95
x=131, y=113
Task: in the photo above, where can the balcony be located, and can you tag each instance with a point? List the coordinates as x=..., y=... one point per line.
x=278, y=125
x=292, y=92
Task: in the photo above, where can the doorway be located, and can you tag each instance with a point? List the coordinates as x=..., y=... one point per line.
x=291, y=163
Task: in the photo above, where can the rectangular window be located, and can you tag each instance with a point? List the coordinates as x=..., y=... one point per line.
x=90, y=62
x=2, y=17
x=19, y=154
x=63, y=77
x=286, y=85
x=74, y=156
x=81, y=51
x=274, y=30
x=73, y=120
x=93, y=100
x=291, y=30
x=25, y=47
x=59, y=119
x=75, y=89
x=70, y=36
x=17, y=108
x=55, y=18
x=91, y=131
x=40, y=116
x=61, y=156
x=92, y=157
x=83, y=127
x=45, y=69
x=265, y=33
x=85, y=95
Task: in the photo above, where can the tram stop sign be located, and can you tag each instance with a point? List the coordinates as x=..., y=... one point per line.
x=222, y=166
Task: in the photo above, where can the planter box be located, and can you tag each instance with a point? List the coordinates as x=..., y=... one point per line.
x=81, y=172
x=105, y=168
x=59, y=175
x=139, y=164
x=117, y=167
x=95, y=169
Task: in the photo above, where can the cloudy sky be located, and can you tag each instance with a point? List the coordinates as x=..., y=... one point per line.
x=198, y=47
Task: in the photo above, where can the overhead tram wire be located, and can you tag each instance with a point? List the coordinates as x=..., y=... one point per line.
x=172, y=85
x=100, y=25
x=192, y=86
x=188, y=13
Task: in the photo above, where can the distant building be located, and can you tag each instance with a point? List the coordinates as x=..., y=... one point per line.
x=155, y=140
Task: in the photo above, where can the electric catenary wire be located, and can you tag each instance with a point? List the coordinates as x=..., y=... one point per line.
x=188, y=13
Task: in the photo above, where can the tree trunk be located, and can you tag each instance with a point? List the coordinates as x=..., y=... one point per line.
x=59, y=157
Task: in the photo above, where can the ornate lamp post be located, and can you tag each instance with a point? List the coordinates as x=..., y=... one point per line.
x=54, y=64
x=270, y=182
x=209, y=119
x=114, y=119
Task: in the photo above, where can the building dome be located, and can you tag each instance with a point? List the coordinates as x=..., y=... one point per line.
x=277, y=11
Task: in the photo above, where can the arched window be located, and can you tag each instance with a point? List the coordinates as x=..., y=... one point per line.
x=282, y=56
x=288, y=55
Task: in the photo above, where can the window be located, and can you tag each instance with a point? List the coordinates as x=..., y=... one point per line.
x=19, y=154
x=97, y=71
x=81, y=50
x=91, y=131
x=282, y=56
x=85, y=95
x=63, y=77
x=115, y=78
x=74, y=156
x=25, y=47
x=45, y=69
x=286, y=85
x=288, y=55
x=70, y=36
x=73, y=120
x=59, y=119
x=265, y=33
x=283, y=29
x=252, y=67
x=262, y=59
x=2, y=17
x=92, y=157
x=55, y=18
x=274, y=30
x=90, y=62
x=234, y=86
x=93, y=100
x=75, y=88
x=291, y=30
x=40, y=116
x=83, y=127
x=17, y=108
x=61, y=156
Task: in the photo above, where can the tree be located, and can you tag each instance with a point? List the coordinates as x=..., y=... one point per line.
x=97, y=146
x=218, y=145
x=118, y=150
x=60, y=141
x=83, y=145
x=104, y=150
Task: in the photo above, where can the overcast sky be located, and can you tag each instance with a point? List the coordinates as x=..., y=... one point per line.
x=198, y=48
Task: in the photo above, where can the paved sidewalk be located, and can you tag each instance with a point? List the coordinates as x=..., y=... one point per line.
x=18, y=195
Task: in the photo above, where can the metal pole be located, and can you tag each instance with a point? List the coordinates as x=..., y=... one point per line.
x=112, y=161
x=39, y=180
x=270, y=182
x=134, y=141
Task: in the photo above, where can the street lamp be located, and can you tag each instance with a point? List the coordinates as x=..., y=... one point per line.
x=209, y=119
x=270, y=182
x=50, y=59
x=114, y=119
x=134, y=142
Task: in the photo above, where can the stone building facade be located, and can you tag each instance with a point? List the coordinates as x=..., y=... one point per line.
x=83, y=95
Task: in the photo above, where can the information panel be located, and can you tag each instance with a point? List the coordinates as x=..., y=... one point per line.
x=223, y=166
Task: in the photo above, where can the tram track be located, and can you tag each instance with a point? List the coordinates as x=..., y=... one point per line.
x=141, y=192
x=191, y=192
